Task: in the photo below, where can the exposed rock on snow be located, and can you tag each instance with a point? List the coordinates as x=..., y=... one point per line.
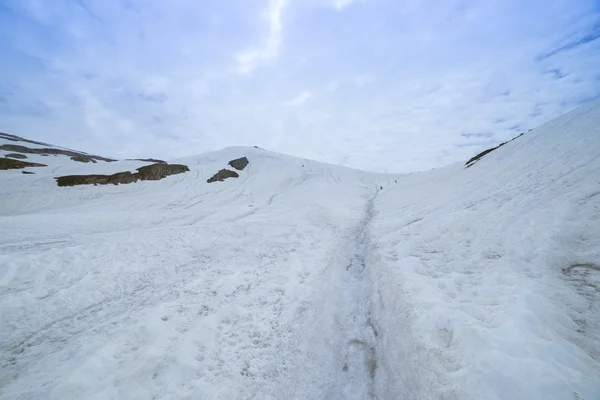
x=16, y=155
x=152, y=160
x=75, y=156
x=222, y=175
x=239, y=163
x=115, y=179
x=476, y=158
x=9, y=163
x=152, y=172
x=159, y=171
x=15, y=138
x=83, y=158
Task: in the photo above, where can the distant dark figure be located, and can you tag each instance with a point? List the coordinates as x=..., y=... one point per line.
x=380, y=187
x=395, y=181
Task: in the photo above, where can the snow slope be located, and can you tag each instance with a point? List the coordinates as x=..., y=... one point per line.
x=302, y=280
x=473, y=260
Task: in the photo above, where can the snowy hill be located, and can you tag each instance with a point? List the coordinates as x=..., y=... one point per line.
x=302, y=280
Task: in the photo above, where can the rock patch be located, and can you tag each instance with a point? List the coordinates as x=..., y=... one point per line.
x=16, y=155
x=75, y=156
x=152, y=160
x=159, y=171
x=239, y=163
x=473, y=160
x=222, y=175
x=152, y=172
x=15, y=138
x=9, y=163
x=83, y=159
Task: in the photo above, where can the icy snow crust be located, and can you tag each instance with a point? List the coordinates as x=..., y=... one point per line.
x=302, y=280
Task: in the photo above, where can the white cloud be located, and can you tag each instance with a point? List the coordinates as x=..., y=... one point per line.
x=301, y=98
x=341, y=4
x=251, y=59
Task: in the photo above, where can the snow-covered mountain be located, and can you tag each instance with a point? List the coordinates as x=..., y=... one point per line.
x=302, y=280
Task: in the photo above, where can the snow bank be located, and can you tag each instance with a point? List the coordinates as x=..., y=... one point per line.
x=473, y=261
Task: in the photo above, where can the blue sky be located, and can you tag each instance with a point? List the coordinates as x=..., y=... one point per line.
x=385, y=85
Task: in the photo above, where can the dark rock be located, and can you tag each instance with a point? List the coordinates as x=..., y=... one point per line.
x=156, y=172
x=239, y=163
x=27, y=172
x=83, y=158
x=115, y=179
x=46, y=151
x=222, y=175
x=152, y=172
x=123, y=177
x=16, y=155
x=16, y=138
x=72, y=180
x=152, y=160
x=473, y=160
x=9, y=163
x=480, y=155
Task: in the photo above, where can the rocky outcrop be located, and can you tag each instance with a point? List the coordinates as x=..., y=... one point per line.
x=15, y=138
x=239, y=163
x=156, y=172
x=16, y=155
x=152, y=172
x=473, y=160
x=9, y=163
x=83, y=159
x=152, y=160
x=75, y=156
x=115, y=179
x=222, y=175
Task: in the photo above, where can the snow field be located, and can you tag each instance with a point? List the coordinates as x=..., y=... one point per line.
x=301, y=280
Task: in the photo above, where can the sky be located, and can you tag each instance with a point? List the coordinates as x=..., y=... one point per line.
x=380, y=85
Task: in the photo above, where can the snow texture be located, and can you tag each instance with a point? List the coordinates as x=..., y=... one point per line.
x=302, y=280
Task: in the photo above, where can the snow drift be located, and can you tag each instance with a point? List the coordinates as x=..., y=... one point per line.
x=302, y=280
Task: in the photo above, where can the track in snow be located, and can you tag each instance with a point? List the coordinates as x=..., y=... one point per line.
x=360, y=364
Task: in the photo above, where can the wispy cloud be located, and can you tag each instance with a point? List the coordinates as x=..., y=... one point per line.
x=589, y=37
x=250, y=59
x=340, y=4
x=301, y=98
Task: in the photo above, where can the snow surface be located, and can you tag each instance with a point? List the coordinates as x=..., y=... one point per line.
x=302, y=280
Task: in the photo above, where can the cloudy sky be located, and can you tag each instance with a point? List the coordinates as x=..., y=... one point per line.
x=384, y=85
